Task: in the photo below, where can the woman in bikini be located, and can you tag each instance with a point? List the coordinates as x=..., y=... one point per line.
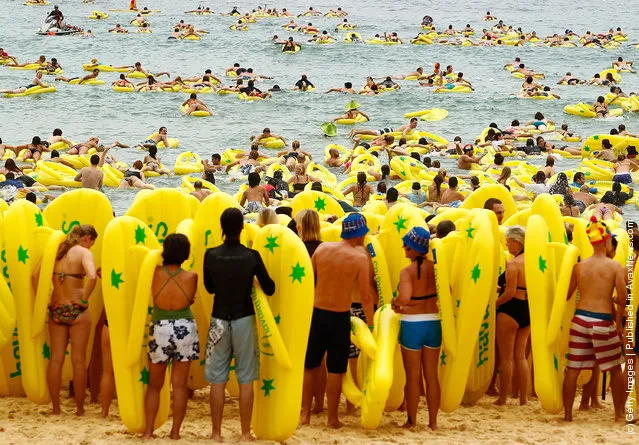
x=420, y=332
x=33, y=150
x=300, y=178
x=361, y=191
x=173, y=336
x=153, y=163
x=134, y=178
x=600, y=107
x=513, y=320
x=68, y=312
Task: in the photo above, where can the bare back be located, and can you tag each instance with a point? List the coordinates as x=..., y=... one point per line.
x=596, y=278
x=420, y=287
x=68, y=276
x=173, y=288
x=338, y=268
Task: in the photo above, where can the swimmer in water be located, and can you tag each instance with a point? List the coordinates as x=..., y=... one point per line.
x=93, y=75
x=37, y=81
x=195, y=104
x=119, y=29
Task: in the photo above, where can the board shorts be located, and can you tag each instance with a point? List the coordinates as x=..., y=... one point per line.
x=419, y=331
x=581, y=205
x=330, y=333
x=246, y=169
x=173, y=341
x=356, y=311
x=455, y=204
x=252, y=207
x=229, y=337
x=593, y=340
x=516, y=309
x=624, y=178
x=382, y=131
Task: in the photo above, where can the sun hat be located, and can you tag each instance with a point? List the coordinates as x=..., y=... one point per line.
x=354, y=226
x=417, y=239
x=352, y=105
x=329, y=129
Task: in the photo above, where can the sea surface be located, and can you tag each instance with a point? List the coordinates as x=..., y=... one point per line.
x=82, y=111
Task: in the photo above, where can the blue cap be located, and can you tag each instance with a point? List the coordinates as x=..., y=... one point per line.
x=354, y=226
x=417, y=239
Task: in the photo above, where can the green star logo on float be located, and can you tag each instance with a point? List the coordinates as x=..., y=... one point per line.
x=46, y=351
x=555, y=362
x=475, y=273
x=469, y=232
x=267, y=387
x=23, y=254
x=144, y=376
x=38, y=219
x=400, y=223
x=271, y=243
x=542, y=264
x=320, y=204
x=3, y=255
x=116, y=279
x=586, y=147
x=140, y=235
x=297, y=273
x=595, y=137
x=277, y=319
x=443, y=358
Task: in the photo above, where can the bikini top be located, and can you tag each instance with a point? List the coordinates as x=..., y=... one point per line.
x=62, y=275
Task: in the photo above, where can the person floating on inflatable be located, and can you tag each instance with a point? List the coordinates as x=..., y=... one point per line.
x=594, y=336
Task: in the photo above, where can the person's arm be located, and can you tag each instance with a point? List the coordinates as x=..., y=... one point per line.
x=100, y=182
x=573, y=283
x=209, y=282
x=350, y=189
x=39, y=82
x=265, y=197
x=267, y=284
x=103, y=156
x=243, y=199
x=89, y=268
x=78, y=177
x=405, y=290
x=622, y=295
x=511, y=286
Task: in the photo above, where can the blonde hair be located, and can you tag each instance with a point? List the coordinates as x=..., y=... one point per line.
x=266, y=216
x=74, y=237
x=516, y=233
x=308, y=225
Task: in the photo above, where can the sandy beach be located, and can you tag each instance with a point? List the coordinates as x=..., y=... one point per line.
x=22, y=421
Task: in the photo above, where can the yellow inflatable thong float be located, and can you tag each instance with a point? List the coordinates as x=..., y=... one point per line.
x=278, y=393
x=130, y=241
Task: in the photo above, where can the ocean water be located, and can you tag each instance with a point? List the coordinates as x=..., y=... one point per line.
x=82, y=111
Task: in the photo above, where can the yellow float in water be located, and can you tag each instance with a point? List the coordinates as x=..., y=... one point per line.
x=86, y=82
x=586, y=110
x=196, y=113
x=187, y=163
x=455, y=89
x=98, y=15
x=32, y=91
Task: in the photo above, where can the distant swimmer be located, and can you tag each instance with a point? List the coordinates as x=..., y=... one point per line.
x=289, y=45
x=123, y=82
x=419, y=73
x=347, y=88
x=119, y=29
x=199, y=192
x=134, y=178
x=42, y=61
x=252, y=90
x=467, y=159
x=266, y=133
x=569, y=79
x=195, y=104
x=489, y=17
x=404, y=129
x=212, y=166
x=155, y=139
x=352, y=112
x=91, y=177
x=303, y=84
x=621, y=65
x=37, y=81
x=291, y=26
x=600, y=107
x=311, y=12
x=153, y=163
x=336, y=13
x=93, y=75
x=392, y=37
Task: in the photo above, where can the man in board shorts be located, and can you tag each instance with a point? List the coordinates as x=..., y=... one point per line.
x=335, y=264
x=594, y=336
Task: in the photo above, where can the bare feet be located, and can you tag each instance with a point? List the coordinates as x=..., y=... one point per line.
x=56, y=411
x=597, y=405
x=147, y=436
x=584, y=407
x=568, y=417
x=175, y=435
x=217, y=437
x=500, y=401
x=335, y=424
x=305, y=419
x=318, y=409
x=492, y=391
x=79, y=411
x=350, y=408
x=408, y=424
x=432, y=425
x=247, y=437
x=523, y=402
